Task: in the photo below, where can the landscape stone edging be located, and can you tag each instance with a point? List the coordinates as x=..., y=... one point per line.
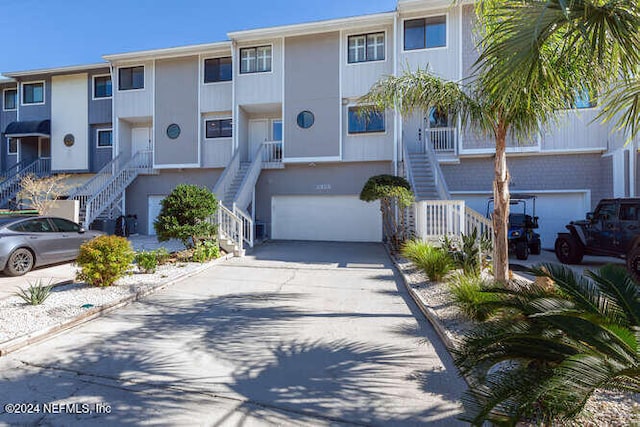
x=93, y=313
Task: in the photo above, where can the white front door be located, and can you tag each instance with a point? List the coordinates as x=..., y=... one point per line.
x=153, y=211
x=258, y=133
x=140, y=140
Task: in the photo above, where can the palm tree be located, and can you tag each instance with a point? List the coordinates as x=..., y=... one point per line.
x=601, y=36
x=547, y=350
x=496, y=113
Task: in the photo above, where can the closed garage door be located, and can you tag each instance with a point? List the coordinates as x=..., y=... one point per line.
x=153, y=212
x=330, y=218
x=555, y=210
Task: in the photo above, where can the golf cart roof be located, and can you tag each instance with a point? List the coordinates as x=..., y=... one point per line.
x=516, y=197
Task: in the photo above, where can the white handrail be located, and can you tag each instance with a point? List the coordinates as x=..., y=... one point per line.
x=245, y=192
x=247, y=225
x=11, y=186
x=112, y=189
x=229, y=225
x=442, y=139
x=437, y=218
x=438, y=176
x=272, y=152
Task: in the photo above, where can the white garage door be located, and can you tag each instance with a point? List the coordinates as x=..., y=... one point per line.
x=555, y=210
x=330, y=218
x=153, y=212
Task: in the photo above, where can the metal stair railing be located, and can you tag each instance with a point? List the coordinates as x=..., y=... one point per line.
x=245, y=192
x=438, y=176
x=11, y=186
x=13, y=169
x=113, y=188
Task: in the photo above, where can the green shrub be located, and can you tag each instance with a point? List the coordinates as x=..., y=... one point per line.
x=147, y=261
x=104, y=260
x=206, y=250
x=36, y=294
x=433, y=261
x=162, y=255
x=185, y=215
x=470, y=293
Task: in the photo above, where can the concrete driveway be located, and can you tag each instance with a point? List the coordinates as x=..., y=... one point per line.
x=295, y=334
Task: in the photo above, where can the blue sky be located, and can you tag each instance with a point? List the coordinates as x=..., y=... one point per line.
x=52, y=33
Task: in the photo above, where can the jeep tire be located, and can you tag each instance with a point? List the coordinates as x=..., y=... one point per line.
x=633, y=263
x=568, y=249
x=522, y=250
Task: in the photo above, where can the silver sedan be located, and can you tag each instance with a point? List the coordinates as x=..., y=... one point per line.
x=27, y=242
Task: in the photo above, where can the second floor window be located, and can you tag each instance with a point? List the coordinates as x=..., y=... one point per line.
x=10, y=99
x=217, y=70
x=366, y=47
x=102, y=87
x=255, y=59
x=105, y=138
x=33, y=93
x=220, y=128
x=365, y=121
x=425, y=33
x=131, y=78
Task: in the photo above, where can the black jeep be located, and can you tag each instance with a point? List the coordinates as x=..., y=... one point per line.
x=613, y=229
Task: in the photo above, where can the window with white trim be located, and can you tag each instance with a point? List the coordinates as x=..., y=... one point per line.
x=105, y=138
x=12, y=145
x=365, y=47
x=217, y=70
x=218, y=128
x=130, y=78
x=10, y=99
x=365, y=121
x=102, y=87
x=425, y=33
x=255, y=59
x=33, y=93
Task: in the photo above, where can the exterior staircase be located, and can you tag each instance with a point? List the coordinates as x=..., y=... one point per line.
x=235, y=189
x=108, y=186
x=229, y=196
x=10, y=186
x=424, y=179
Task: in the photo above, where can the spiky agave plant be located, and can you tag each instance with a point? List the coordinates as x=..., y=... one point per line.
x=550, y=349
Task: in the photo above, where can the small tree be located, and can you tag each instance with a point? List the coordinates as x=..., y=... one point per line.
x=41, y=193
x=104, y=259
x=185, y=215
x=390, y=190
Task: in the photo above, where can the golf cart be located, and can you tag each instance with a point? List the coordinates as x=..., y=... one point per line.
x=522, y=239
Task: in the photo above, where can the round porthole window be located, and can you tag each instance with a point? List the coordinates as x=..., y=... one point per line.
x=305, y=119
x=173, y=131
x=69, y=139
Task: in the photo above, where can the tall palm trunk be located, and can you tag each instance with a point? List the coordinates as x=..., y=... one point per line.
x=501, y=207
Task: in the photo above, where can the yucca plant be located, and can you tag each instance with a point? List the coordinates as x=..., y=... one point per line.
x=553, y=347
x=433, y=261
x=36, y=293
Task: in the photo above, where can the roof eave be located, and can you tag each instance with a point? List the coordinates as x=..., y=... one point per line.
x=312, y=27
x=171, y=52
x=59, y=70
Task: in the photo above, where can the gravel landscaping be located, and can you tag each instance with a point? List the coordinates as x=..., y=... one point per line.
x=605, y=408
x=68, y=302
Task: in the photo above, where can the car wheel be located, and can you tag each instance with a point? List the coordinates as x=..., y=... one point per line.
x=20, y=262
x=522, y=250
x=568, y=250
x=535, y=248
x=633, y=263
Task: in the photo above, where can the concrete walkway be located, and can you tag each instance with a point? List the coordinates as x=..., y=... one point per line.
x=295, y=334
